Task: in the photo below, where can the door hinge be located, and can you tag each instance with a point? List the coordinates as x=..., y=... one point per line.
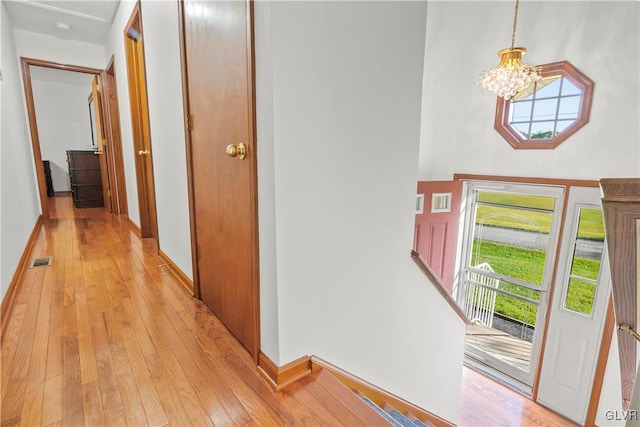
x=189, y=120
x=109, y=193
x=195, y=252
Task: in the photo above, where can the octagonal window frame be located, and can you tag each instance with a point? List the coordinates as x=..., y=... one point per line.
x=577, y=78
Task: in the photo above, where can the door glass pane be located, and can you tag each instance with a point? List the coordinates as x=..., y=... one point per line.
x=585, y=263
x=586, y=260
x=580, y=296
x=505, y=281
x=512, y=234
x=517, y=200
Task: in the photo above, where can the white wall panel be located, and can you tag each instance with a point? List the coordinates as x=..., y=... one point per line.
x=114, y=47
x=48, y=48
x=166, y=119
x=339, y=96
x=600, y=38
x=19, y=201
x=62, y=113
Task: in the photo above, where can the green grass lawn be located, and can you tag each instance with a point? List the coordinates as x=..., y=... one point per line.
x=528, y=265
x=506, y=210
x=591, y=222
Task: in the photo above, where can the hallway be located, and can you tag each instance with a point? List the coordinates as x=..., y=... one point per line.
x=106, y=336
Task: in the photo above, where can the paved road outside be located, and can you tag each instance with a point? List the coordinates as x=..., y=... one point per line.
x=533, y=240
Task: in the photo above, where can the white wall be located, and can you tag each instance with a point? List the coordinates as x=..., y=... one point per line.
x=611, y=395
x=62, y=113
x=634, y=406
x=600, y=38
x=269, y=320
x=19, y=202
x=2, y=12
x=339, y=98
x=41, y=46
x=114, y=46
x=164, y=89
x=166, y=119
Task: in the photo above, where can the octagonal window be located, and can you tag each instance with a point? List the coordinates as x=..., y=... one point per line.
x=549, y=111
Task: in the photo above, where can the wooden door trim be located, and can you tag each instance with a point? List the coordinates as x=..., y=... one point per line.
x=116, y=158
x=528, y=180
x=251, y=79
x=252, y=158
x=139, y=103
x=189, y=149
x=33, y=123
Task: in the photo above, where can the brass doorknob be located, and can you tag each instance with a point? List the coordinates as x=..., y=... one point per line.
x=143, y=152
x=239, y=150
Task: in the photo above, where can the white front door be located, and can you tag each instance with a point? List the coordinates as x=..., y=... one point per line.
x=580, y=298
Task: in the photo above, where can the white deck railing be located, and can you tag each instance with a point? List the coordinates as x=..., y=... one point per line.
x=481, y=301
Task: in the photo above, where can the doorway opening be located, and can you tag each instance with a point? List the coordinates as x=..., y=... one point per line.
x=59, y=74
x=510, y=238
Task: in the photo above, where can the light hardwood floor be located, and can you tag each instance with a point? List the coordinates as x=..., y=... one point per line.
x=105, y=336
x=485, y=402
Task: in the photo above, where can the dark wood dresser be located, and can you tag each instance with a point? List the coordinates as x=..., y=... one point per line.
x=86, y=182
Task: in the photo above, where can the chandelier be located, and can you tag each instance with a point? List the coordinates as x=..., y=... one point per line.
x=511, y=75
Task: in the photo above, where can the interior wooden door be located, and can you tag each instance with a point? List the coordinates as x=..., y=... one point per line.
x=138, y=101
x=113, y=135
x=98, y=117
x=219, y=76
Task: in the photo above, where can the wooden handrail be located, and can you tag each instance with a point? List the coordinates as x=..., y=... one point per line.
x=437, y=283
x=621, y=209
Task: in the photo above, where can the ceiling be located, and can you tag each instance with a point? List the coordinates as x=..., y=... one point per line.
x=89, y=20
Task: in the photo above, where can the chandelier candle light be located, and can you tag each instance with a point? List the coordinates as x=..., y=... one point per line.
x=511, y=75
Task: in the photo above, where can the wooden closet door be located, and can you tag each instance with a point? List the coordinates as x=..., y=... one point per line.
x=219, y=52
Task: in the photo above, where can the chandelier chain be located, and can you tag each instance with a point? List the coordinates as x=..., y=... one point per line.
x=515, y=22
x=511, y=75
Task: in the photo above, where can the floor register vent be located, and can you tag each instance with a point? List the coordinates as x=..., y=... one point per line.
x=41, y=262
